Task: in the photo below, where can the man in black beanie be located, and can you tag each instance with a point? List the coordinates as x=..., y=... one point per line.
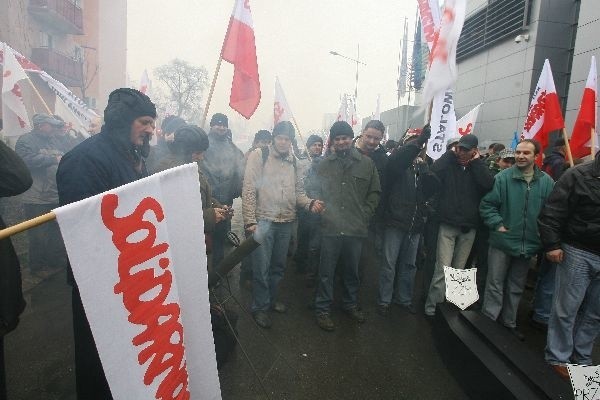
x=349, y=186
x=102, y=162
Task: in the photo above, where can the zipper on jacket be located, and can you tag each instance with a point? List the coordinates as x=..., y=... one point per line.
x=525, y=217
x=412, y=222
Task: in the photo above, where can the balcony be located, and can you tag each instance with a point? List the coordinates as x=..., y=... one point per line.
x=59, y=15
x=61, y=67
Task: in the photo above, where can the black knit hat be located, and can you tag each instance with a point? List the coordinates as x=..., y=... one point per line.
x=125, y=105
x=340, y=128
x=219, y=119
x=171, y=124
x=189, y=139
x=284, y=128
x=312, y=139
x=263, y=134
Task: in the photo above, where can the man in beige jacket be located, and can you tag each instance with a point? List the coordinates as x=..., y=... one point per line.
x=272, y=190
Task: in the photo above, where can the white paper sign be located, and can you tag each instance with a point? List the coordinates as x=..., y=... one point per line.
x=138, y=257
x=461, y=286
x=585, y=381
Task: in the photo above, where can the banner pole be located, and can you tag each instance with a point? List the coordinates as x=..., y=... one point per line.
x=39, y=96
x=593, y=142
x=564, y=132
x=25, y=225
x=210, y=93
x=301, y=138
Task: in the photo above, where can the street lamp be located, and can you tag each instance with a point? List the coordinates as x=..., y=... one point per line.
x=357, y=61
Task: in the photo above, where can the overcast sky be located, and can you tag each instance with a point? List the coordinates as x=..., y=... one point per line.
x=293, y=40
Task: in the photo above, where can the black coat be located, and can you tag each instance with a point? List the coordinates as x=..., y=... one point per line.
x=15, y=179
x=380, y=159
x=460, y=190
x=572, y=211
x=406, y=190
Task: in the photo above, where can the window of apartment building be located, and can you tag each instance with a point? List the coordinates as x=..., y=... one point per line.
x=46, y=40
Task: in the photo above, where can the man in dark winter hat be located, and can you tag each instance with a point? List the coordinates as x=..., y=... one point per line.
x=102, y=162
x=349, y=186
x=164, y=135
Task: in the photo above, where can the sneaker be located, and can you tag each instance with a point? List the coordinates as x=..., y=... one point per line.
x=262, y=319
x=324, y=321
x=279, y=307
x=383, y=310
x=356, y=314
x=516, y=333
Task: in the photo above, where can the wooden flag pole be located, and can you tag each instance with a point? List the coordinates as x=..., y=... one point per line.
x=593, y=142
x=564, y=132
x=210, y=93
x=39, y=96
x=25, y=225
x=301, y=138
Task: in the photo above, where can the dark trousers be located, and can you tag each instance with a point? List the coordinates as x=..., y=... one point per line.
x=90, y=381
x=219, y=241
x=309, y=244
x=46, y=247
x=430, y=236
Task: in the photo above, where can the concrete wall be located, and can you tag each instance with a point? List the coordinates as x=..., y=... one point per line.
x=112, y=48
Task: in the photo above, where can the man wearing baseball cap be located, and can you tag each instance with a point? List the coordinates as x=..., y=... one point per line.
x=463, y=180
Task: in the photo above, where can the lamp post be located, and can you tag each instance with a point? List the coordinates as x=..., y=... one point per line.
x=357, y=61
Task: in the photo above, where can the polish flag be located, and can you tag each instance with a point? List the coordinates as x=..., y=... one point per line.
x=14, y=114
x=442, y=59
x=239, y=49
x=544, y=114
x=145, y=83
x=585, y=124
x=466, y=124
x=347, y=112
x=281, y=108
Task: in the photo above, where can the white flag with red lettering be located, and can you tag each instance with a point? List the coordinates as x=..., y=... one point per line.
x=239, y=49
x=442, y=71
x=145, y=83
x=466, y=124
x=430, y=20
x=138, y=257
x=544, y=115
x=14, y=114
x=281, y=108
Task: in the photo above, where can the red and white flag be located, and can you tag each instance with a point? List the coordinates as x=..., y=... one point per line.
x=544, y=115
x=138, y=257
x=281, y=108
x=585, y=125
x=466, y=124
x=347, y=112
x=442, y=59
x=145, y=83
x=14, y=114
x=239, y=49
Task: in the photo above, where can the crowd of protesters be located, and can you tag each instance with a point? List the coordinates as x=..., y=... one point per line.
x=342, y=203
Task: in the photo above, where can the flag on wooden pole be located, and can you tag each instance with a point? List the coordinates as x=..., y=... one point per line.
x=239, y=49
x=585, y=125
x=281, y=108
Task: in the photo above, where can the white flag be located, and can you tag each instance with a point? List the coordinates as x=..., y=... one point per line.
x=138, y=257
x=145, y=83
x=461, y=286
x=281, y=108
x=429, y=12
x=443, y=124
x=466, y=124
x=14, y=114
x=347, y=112
x=442, y=60
x=72, y=122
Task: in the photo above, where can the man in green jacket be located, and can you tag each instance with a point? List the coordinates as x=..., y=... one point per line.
x=511, y=210
x=349, y=185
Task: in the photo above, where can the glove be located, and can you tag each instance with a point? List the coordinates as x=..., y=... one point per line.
x=425, y=135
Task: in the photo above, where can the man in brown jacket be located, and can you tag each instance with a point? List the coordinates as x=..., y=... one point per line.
x=272, y=191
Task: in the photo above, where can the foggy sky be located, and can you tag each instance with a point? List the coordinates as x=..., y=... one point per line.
x=293, y=40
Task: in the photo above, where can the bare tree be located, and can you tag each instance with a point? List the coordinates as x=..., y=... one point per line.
x=185, y=86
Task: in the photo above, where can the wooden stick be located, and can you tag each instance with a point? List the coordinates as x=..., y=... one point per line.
x=301, y=138
x=25, y=225
x=210, y=94
x=593, y=143
x=564, y=132
x=39, y=96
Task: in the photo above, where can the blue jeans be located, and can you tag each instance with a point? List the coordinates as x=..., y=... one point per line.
x=399, y=255
x=268, y=262
x=332, y=247
x=544, y=291
x=575, y=319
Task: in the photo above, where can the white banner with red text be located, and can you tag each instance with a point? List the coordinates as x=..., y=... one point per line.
x=138, y=257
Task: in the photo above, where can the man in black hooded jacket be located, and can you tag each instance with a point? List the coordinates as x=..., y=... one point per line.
x=102, y=162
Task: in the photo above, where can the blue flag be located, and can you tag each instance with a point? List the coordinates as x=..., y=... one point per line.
x=515, y=141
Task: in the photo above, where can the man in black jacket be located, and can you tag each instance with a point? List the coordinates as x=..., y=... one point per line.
x=102, y=162
x=408, y=185
x=463, y=180
x=14, y=179
x=570, y=231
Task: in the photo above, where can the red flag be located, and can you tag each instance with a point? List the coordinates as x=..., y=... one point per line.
x=586, y=119
x=240, y=50
x=544, y=115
